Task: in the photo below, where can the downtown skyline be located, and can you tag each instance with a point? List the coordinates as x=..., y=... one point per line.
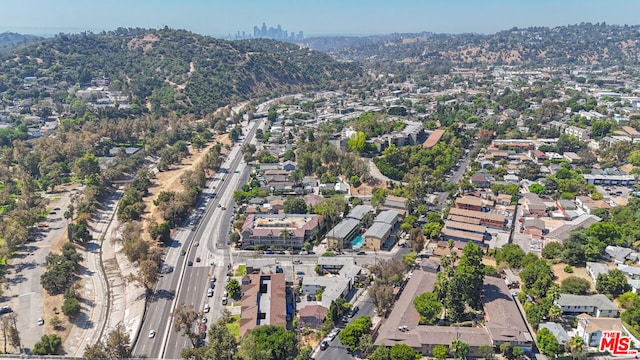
x=314, y=18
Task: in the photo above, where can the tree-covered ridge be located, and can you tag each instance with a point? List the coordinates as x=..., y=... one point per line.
x=174, y=69
x=581, y=44
x=11, y=40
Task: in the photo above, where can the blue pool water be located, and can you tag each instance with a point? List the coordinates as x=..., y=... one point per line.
x=357, y=241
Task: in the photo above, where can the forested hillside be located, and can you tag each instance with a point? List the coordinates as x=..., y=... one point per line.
x=583, y=44
x=173, y=69
x=10, y=40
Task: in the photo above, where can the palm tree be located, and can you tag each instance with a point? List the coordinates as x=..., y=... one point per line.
x=575, y=346
x=553, y=293
x=555, y=313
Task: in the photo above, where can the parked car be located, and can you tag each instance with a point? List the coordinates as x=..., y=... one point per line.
x=207, y=308
x=40, y=321
x=5, y=310
x=209, y=292
x=324, y=345
x=224, y=301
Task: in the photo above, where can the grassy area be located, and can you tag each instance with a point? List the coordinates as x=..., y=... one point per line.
x=234, y=325
x=242, y=270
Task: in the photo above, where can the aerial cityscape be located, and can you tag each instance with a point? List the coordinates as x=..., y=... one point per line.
x=274, y=182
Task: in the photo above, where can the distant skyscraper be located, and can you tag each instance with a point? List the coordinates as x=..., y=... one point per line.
x=276, y=33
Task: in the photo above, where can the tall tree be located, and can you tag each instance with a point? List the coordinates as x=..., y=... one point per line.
x=222, y=343
x=185, y=321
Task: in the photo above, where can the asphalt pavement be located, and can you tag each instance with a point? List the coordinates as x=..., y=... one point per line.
x=23, y=292
x=188, y=284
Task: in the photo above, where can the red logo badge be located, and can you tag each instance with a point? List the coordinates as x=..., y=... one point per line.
x=616, y=344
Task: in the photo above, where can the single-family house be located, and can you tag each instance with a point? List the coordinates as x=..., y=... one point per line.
x=594, y=269
x=620, y=255
x=590, y=328
x=313, y=316
x=557, y=331
x=533, y=205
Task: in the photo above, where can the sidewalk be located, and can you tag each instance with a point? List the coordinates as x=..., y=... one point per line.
x=110, y=301
x=89, y=327
x=127, y=300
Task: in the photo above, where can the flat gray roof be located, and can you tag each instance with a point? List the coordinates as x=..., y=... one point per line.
x=378, y=230
x=344, y=228
x=359, y=210
x=387, y=216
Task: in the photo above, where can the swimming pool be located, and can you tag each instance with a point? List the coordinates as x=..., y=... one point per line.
x=357, y=242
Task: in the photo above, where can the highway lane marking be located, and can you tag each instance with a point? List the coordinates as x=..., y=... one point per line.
x=27, y=294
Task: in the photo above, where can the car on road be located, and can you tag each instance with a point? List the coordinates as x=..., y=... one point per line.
x=362, y=252
x=183, y=252
x=209, y=292
x=204, y=320
x=297, y=261
x=198, y=259
x=345, y=319
x=5, y=310
x=207, y=308
x=332, y=335
x=212, y=284
x=196, y=244
x=203, y=328
x=152, y=334
x=324, y=345
x=40, y=321
x=189, y=263
x=269, y=252
x=224, y=301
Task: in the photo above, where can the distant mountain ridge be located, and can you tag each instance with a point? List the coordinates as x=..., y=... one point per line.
x=582, y=44
x=11, y=40
x=176, y=70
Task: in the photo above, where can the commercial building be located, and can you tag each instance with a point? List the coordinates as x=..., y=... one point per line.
x=281, y=231
x=263, y=301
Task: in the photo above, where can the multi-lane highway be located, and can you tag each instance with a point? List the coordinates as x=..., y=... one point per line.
x=188, y=283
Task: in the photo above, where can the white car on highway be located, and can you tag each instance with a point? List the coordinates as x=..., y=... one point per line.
x=152, y=334
x=207, y=308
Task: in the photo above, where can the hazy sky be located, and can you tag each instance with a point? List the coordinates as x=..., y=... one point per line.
x=314, y=17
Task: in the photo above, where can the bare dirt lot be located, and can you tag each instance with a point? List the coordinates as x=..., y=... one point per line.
x=581, y=272
x=170, y=181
